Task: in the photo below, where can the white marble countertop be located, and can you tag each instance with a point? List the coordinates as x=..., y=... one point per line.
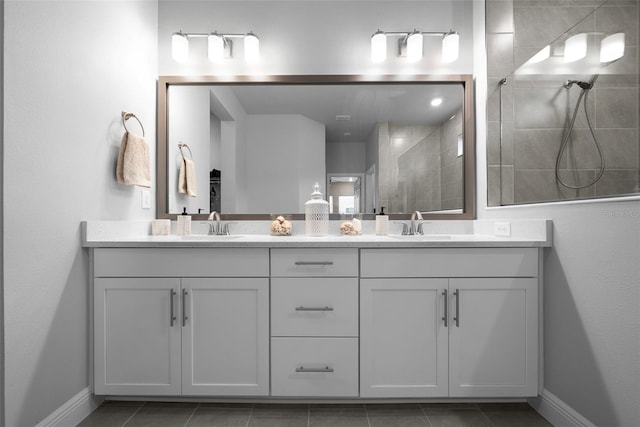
x=534, y=233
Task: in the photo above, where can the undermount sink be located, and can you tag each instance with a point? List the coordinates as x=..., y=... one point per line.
x=211, y=237
x=422, y=237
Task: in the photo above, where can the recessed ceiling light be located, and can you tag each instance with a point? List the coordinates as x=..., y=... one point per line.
x=347, y=134
x=436, y=101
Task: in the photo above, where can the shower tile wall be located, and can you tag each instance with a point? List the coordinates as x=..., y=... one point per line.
x=527, y=116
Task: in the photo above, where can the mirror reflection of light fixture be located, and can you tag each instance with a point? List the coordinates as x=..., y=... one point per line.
x=180, y=47
x=612, y=47
x=575, y=48
x=220, y=46
x=543, y=54
x=410, y=45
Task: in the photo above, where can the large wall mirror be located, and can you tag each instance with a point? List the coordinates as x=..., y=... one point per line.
x=257, y=145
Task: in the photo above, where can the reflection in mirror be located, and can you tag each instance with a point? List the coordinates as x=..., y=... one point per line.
x=258, y=147
x=344, y=193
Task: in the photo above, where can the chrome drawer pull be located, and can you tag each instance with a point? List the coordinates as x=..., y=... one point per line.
x=301, y=308
x=303, y=369
x=314, y=263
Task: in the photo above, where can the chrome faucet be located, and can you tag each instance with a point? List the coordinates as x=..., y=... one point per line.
x=214, y=228
x=416, y=223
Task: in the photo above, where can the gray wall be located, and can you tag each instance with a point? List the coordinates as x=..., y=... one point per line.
x=592, y=276
x=69, y=69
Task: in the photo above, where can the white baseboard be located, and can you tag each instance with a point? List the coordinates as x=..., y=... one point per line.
x=557, y=412
x=73, y=411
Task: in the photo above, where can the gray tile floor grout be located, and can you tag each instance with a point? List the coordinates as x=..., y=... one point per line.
x=191, y=414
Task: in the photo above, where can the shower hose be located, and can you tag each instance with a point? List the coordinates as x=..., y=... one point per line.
x=585, y=88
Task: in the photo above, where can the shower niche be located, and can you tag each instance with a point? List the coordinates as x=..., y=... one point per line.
x=563, y=102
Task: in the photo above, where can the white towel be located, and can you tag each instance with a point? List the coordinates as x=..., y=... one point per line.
x=187, y=178
x=132, y=166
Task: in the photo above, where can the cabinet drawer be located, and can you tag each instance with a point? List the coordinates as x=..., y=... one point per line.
x=459, y=262
x=314, y=262
x=316, y=367
x=314, y=307
x=181, y=262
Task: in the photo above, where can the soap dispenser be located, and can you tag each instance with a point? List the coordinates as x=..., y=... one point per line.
x=382, y=223
x=316, y=214
x=184, y=223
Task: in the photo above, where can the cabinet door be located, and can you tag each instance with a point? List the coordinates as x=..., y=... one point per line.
x=225, y=336
x=493, y=347
x=136, y=342
x=403, y=338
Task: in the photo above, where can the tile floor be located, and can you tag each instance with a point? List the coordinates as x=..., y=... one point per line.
x=157, y=414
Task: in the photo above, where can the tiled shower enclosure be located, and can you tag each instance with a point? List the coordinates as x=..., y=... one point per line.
x=535, y=154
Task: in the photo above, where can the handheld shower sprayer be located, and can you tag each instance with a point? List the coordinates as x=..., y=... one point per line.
x=585, y=88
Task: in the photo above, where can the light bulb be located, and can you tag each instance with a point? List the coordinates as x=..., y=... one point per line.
x=216, y=47
x=450, y=47
x=251, y=48
x=180, y=47
x=414, y=47
x=378, y=46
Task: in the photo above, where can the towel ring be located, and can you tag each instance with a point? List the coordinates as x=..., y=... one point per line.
x=126, y=116
x=181, y=145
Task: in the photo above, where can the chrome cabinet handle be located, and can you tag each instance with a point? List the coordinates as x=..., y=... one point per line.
x=301, y=308
x=184, y=309
x=172, y=314
x=457, y=316
x=446, y=308
x=314, y=262
x=303, y=369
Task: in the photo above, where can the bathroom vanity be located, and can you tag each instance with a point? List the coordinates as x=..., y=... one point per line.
x=362, y=317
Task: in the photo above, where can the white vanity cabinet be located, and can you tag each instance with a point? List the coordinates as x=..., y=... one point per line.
x=314, y=322
x=181, y=321
x=449, y=322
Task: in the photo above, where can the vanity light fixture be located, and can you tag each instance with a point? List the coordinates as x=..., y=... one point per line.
x=180, y=47
x=378, y=46
x=220, y=46
x=414, y=46
x=450, y=47
x=410, y=45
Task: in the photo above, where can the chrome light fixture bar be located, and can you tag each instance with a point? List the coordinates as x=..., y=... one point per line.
x=410, y=45
x=220, y=46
